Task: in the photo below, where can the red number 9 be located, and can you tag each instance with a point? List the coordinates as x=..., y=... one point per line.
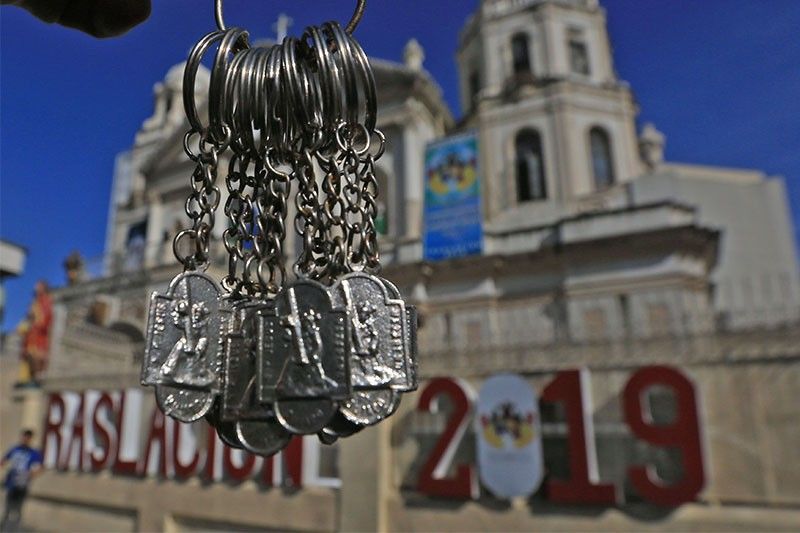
x=682, y=433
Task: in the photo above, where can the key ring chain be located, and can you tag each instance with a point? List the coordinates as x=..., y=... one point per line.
x=258, y=354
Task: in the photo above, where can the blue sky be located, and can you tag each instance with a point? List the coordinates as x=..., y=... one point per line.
x=721, y=78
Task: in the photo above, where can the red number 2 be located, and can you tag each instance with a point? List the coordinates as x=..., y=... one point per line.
x=571, y=388
x=683, y=433
x=432, y=480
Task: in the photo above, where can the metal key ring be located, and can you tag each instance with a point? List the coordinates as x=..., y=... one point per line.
x=274, y=124
x=190, y=75
x=306, y=90
x=234, y=40
x=368, y=84
x=244, y=88
x=365, y=90
x=230, y=103
x=344, y=59
x=326, y=75
x=358, y=14
x=302, y=101
x=261, y=96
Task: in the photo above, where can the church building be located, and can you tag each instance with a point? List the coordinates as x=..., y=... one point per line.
x=598, y=256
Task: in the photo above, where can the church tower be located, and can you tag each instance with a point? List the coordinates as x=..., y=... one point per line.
x=557, y=127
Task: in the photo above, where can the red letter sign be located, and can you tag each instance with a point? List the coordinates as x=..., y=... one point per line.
x=464, y=484
x=573, y=390
x=683, y=433
x=51, y=436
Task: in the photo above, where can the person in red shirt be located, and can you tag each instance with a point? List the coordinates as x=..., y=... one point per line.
x=36, y=338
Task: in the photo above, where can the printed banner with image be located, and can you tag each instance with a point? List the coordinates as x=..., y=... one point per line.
x=453, y=224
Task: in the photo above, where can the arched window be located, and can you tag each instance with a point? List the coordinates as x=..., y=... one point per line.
x=520, y=54
x=474, y=82
x=578, y=52
x=384, y=201
x=531, y=184
x=602, y=162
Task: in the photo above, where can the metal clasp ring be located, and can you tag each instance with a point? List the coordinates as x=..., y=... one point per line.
x=350, y=28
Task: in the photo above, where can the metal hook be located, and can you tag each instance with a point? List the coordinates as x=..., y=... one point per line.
x=356, y=18
x=350, y=28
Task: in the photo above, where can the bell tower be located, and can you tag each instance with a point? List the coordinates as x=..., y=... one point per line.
x=556, y=125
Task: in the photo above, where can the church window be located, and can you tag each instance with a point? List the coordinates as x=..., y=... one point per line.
x=595, y=324
x=383, y=203
x=474, y=336
x=602, y=162
x=659, y=319
x=520, y=54
x=135, y=244
x=578, y=53
x=474, y=82
x=530, y=167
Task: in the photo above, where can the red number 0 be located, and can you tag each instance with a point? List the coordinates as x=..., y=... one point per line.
x=572, y=388
x=432, y=480
x=683, y=433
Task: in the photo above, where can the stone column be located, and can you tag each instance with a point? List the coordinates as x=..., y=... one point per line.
x=364, y=466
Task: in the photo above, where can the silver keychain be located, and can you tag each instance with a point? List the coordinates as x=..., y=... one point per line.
x=303, y=355
x=260, y=356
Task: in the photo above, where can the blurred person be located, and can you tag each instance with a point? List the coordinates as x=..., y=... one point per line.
x=35, y=333
x=25, y=464
x=99, y=18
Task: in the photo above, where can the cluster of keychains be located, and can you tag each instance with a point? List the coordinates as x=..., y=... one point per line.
x=260, y=354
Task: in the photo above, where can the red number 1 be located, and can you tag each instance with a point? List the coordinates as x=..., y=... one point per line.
x=683, y=433
x=572, y=388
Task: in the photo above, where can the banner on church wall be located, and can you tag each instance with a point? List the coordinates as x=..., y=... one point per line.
x=452, y=218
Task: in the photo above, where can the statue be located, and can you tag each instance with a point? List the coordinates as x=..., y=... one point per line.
x=74, y=267
x=35, y=334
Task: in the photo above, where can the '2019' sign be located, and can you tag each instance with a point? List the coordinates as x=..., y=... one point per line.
x=572, y=390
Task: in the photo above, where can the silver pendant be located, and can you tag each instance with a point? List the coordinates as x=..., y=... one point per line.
x=327, y=437
x=378, y=351
x=410, y=334
x=303, y=346
x=305, y=416
x=239, y=398
x=368, y=407
x=183, y=352
x=225, y=430
x=183, y=343
x=185, y=405
x=302, y=357
x=262, y=437
x=242, y=418
x=412, y=320
x=338, y=427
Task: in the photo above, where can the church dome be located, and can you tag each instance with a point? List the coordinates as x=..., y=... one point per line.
x=174, y=78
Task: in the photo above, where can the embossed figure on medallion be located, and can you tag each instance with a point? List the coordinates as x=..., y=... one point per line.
x=184, y=348
x=304, y=332
x=365, y=333
x=303, y=346
x=379, y=348
x=184, y=364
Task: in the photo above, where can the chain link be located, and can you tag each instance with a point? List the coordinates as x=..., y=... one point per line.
x=307, y=105
x=201, y=205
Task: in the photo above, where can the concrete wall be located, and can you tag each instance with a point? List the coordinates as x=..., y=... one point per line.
x=750, y=422
x=758, y=266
